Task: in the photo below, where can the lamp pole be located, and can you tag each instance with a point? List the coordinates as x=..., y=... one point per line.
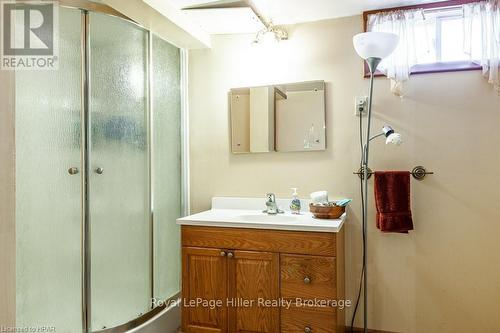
x=372, y=65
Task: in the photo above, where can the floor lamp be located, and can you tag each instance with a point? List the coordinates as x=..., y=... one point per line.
x=373, y=47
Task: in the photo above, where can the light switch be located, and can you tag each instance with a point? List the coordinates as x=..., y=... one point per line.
x=360, y=106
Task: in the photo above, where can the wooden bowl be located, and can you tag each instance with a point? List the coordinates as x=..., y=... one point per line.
x=326, y=212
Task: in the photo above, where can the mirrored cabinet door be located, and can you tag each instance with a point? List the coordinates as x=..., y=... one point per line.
x=284, y=118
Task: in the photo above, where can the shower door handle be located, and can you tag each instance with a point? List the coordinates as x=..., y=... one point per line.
x=73, y=171
x=99, y=171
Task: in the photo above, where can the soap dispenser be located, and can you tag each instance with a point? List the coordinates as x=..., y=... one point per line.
x=295, y=204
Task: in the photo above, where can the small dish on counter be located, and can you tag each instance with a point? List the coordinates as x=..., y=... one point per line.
x=330, y=211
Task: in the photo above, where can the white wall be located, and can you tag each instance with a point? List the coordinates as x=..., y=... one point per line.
x=442, y=277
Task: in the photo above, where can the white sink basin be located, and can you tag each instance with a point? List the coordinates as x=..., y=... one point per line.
x=268, y=218
x=247, y=213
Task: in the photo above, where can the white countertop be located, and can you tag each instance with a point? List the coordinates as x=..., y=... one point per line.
x=243, y=213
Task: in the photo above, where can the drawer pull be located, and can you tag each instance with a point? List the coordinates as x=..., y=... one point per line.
x=230, y=254
x=307, y=329
x=222, y=253
x=307, y=280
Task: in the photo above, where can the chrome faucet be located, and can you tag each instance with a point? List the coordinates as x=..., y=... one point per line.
x=272, y=207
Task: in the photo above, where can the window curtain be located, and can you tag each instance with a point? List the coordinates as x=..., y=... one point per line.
x=405, y=24
x=482, y=25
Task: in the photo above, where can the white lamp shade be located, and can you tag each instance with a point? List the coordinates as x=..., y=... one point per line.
x=395, y=139
x=375, y=44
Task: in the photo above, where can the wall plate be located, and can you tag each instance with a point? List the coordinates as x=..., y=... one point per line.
x=360, y=106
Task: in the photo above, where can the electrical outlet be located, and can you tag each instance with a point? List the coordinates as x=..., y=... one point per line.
x=360, y=106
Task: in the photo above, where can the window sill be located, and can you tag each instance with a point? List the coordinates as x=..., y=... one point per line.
x=438, y=67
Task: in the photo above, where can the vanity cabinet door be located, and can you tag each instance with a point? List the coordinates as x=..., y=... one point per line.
x=253, y=277
x=204, y=276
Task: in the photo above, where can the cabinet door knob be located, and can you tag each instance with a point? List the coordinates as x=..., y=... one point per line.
x=307, y=280
x=222, y=253
x=230, y=254
x=99, y=171
x=307, y=329
x=73, y=170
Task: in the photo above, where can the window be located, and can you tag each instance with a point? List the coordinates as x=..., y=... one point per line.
x=438, y=36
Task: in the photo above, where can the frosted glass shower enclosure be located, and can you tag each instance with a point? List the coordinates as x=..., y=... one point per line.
x=98, y=177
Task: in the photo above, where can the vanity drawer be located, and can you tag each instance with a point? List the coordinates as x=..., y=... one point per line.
x=308, y=277
x=308, y=320
x=283, y=241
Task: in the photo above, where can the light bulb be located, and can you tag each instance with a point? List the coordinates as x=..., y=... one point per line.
x=394, y=138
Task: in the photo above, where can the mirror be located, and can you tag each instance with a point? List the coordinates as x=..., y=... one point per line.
x=283, y=117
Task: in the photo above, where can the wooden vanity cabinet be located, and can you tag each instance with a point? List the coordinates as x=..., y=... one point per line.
x=236, y=265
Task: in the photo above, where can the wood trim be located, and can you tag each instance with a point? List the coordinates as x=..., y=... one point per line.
x=425, y=68
x=279, y=241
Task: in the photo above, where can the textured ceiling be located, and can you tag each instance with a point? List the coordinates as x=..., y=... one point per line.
x=296, y=11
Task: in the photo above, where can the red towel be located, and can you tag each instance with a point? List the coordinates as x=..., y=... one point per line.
x=392, y=199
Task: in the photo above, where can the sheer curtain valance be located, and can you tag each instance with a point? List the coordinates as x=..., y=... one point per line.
x=418, y=32
x=397, y=66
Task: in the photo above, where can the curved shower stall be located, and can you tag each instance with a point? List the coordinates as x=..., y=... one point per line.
x=98, y=177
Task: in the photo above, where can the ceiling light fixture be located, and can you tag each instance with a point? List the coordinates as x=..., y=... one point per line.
x=270, y=34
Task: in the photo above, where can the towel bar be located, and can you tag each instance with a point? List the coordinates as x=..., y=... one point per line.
x=418, y=172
